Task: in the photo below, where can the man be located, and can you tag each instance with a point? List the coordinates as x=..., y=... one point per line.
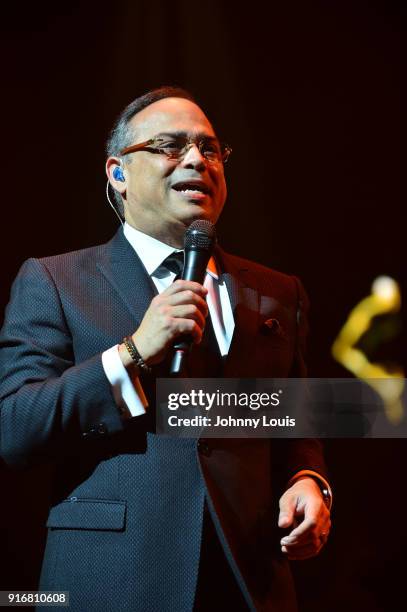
x=139, y=521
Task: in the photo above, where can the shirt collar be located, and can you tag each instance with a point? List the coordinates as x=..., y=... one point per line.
x=152, y=252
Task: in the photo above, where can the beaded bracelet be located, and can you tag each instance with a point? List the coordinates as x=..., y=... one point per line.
x=135, y=355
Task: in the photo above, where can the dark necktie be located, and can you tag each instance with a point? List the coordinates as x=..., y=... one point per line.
x=175, y=263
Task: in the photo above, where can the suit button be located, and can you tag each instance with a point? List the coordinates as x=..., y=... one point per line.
x=102, y=429
x=271, y=326
x=90, y=433
x=204, y=448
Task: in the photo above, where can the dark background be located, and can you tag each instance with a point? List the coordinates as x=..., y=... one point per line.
x=309, y=95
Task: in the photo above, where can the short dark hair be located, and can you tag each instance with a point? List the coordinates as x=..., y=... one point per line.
x=120, y=135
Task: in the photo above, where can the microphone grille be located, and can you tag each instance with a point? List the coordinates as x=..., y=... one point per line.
x=201, y=234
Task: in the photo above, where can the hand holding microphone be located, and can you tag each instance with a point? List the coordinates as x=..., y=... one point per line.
x=176, y=317
x=200, y=238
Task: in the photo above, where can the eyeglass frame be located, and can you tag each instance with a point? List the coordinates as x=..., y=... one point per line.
x=226, y=150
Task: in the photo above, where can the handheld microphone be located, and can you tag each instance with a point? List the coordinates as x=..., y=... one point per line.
x=199, y=241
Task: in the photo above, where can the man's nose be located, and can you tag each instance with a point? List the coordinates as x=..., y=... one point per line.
x=193, y=158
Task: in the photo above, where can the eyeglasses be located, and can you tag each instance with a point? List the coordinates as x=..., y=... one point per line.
x=176, y=147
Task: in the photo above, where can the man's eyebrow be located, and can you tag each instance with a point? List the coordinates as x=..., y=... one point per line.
x=183, y=134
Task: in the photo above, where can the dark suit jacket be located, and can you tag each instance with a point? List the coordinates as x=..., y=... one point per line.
x=125, y=524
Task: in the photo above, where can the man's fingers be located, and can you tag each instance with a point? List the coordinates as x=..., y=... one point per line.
x=181, y=285
x=304, y=549
x=188, y=311
x=188, y=297
x=308, y=531
x=187, y=327
x=287, y=510
x=307, y=525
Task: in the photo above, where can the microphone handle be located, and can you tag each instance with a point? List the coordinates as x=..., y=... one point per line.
x=196, y=261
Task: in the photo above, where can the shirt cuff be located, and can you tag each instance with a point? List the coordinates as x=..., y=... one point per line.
x=127, y=392
x=311, y=474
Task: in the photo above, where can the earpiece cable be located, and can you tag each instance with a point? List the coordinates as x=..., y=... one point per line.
x=111, y=204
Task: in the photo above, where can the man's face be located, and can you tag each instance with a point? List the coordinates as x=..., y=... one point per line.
x=158, y=200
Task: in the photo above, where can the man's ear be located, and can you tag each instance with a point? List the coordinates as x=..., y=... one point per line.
x=116, y=174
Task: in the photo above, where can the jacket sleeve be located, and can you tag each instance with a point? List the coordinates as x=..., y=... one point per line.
x=300, y=454
x=47, y=401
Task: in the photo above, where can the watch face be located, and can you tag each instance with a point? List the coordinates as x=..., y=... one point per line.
x=327, y=498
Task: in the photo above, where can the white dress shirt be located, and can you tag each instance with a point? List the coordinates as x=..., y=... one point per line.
x=128, y=392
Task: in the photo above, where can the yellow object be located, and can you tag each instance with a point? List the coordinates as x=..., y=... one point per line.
x=385, y=298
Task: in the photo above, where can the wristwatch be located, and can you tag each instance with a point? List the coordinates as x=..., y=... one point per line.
x=326, y=494
x=322, y=484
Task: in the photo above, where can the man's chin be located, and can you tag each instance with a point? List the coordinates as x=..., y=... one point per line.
x=194, y=212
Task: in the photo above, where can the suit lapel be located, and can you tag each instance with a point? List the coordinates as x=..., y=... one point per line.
x=124, y=270
x=245, y=301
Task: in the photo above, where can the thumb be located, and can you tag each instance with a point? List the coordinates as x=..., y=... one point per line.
x=287, y=510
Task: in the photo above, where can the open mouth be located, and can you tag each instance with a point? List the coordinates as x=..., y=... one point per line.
x=190, y=188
